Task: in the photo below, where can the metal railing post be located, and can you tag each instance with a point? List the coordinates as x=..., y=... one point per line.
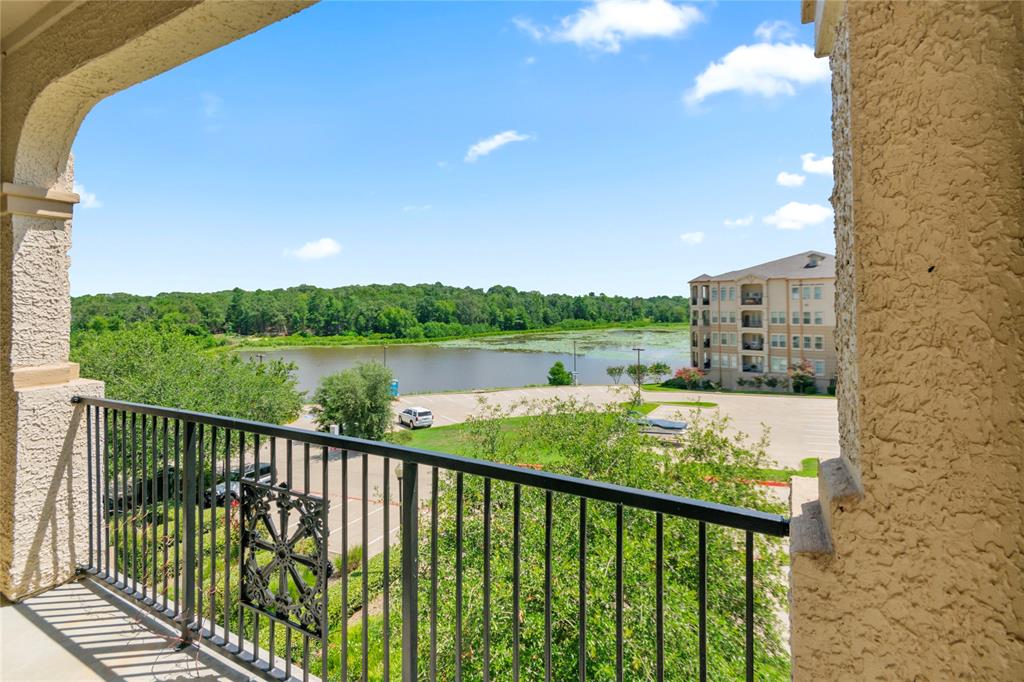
x=410, y=578
x=189, y=588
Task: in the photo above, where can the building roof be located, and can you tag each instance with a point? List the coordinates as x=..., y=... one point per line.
x=796, y=266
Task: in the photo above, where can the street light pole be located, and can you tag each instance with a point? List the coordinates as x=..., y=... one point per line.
x=639, y=378
x=385, y=355
x=574, y=381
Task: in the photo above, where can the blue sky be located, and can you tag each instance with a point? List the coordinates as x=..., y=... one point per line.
x=623, y=146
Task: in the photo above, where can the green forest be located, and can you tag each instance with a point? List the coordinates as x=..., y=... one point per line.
x=421, y=311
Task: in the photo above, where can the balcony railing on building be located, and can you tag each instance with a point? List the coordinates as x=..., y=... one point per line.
x=752, y=321
x=191, y=518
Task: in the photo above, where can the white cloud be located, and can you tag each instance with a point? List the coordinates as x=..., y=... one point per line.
x=692, y=238
x=87, y=199
x=738, y=222
x=606, y=24
x=212, y=104
x=774, y=30
x=488, y=145
x=530, y=61
x=821, y=166
x=797, y=216
x=416, y=209
x=321, y=248
x=790, y=179
x=766, y=69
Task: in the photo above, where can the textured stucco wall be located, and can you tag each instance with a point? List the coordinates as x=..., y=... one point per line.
x=926, y=580
x=845, y=287
x=44, y=511
x=49, y=84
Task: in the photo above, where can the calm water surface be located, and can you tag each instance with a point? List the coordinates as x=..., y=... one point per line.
x=494, y=361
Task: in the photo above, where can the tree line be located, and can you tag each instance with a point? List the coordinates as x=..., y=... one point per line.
x=395, y=310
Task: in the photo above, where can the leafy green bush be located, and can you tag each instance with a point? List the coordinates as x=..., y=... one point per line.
x=558, y=375
x=580, y=440
x=169, y=367
x=357, y=399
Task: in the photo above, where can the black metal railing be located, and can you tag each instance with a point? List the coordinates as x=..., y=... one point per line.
x=224, y=526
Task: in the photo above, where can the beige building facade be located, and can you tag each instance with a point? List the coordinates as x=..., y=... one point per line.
x=750, y=326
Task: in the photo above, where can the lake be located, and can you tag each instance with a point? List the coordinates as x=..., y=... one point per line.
x=496, y=361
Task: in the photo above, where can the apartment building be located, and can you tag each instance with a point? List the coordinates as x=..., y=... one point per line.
x=761, y=320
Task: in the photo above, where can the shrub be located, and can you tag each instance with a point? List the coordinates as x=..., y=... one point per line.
x=558, y=375
x=357, y=399
x=686, y=377
x=169, y=367
x=801, y=376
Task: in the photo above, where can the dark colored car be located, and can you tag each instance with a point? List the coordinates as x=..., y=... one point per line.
x=232, y=489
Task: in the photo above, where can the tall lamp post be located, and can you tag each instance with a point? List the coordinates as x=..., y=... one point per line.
x=575, y=379
x=639, y=378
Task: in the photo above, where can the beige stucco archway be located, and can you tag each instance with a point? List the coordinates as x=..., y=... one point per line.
x=60, y=59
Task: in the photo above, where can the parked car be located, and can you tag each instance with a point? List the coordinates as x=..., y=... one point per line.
x=142, y=492
x=656, y=426
x=232, y=488
x=416, y=417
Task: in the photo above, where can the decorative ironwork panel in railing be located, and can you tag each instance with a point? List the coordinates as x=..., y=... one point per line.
x=284, y=555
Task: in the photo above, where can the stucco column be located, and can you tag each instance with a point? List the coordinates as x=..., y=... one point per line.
x=910, y=565
x=43, y=508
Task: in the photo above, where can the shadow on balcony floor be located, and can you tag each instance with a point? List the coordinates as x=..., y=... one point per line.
x=81, y=632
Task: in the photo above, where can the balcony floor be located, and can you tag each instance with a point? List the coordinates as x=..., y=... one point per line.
x=79, y=631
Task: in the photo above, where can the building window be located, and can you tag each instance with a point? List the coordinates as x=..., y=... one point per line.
x=807, y=317
x=732, y=339
x=807, y=343
x=819, y=318
x=714, y=293
x=778, y=365
x=807, y=293
x=819, y=368
x=796, y=343
x=795, y=293
x=778, y=340
x=732, y=317
x=796, y=317
x=714, y=318
x=819, y=343
x=732, y=293
x=732, y=362
x=714, y=338
x=817, y=293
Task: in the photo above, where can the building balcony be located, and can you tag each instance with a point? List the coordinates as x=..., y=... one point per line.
x=752, y=322
x=753, y=342
x=180, y=502
x=751, y=294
